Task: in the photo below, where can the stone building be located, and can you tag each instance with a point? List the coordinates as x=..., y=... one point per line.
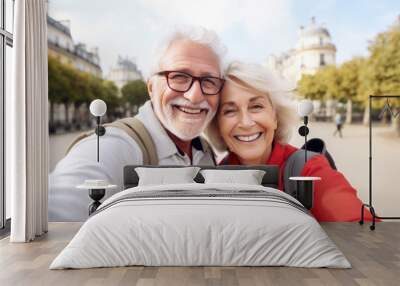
x=62, y=47
x=314, y=49
x=124, y=71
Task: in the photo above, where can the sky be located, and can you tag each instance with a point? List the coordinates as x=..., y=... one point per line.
x=250, y=29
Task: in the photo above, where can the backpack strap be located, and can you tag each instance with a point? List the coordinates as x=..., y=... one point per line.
x=135, y=128
x=137, y=131
x=293, y=167
x=77, y=139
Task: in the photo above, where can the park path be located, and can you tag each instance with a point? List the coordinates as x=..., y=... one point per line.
x=350, y=154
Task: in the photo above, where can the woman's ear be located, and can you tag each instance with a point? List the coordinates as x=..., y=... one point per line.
x=275, y=120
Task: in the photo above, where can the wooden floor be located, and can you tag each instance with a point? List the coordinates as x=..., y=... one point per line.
x=374, y=255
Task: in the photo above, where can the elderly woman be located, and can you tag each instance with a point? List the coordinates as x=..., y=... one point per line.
x=254, y=123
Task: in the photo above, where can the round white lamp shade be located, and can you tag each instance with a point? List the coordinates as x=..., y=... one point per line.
x=305, y=107
x=98, y=107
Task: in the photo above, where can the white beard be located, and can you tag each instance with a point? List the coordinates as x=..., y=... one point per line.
x=165, y=115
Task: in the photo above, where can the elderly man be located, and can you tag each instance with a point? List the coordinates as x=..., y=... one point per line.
x=184, y=92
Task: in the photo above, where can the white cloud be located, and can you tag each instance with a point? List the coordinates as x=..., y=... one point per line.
x=255, y=15
x=251, y=29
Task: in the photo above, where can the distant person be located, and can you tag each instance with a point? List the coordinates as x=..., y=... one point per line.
x=338, y=124
x=254, y=123
x=184, y=89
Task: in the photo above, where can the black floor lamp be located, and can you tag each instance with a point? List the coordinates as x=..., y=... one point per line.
x=97, y=187
x=387, y=108
x=304, y=191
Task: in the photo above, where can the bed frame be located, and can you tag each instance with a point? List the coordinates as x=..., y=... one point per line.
x=270, y=179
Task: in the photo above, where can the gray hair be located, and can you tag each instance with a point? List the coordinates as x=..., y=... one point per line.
x=259, y=79
x=196, y=34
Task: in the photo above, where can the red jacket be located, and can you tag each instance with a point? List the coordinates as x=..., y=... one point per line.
x=334, y=198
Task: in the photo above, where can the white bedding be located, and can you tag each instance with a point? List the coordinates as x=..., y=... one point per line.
x=239, y=228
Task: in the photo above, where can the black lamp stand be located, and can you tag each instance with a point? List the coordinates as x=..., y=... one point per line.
x=305, y=193
x=100, y=131
x=303, y=131
x=97, y=194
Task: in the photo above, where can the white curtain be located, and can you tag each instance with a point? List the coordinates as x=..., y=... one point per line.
x=27, y=123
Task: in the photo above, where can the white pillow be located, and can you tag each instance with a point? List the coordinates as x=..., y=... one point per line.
x=162, y=176
x=248, y=177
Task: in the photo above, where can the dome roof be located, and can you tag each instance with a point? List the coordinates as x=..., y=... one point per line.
x=314, y=30
x=314, y=36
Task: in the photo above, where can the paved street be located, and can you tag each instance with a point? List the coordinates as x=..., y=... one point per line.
x=350, y=154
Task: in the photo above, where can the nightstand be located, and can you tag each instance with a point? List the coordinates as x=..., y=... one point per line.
x=305, y=190
x=97, y=190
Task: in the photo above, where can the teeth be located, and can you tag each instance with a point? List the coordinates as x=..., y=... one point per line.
x=248, y=138
x=189, y=110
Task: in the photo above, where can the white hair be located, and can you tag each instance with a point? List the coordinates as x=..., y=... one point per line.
x=196, y=34
x=259, y=79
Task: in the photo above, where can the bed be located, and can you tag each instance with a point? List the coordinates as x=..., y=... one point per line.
x=201, y=224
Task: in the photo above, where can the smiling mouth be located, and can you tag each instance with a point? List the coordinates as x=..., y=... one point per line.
x=191, y=111
x=248, y=138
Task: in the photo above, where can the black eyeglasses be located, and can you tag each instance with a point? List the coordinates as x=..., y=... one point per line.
x=182, y=82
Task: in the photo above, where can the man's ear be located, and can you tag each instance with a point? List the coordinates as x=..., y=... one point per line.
x=150, y=87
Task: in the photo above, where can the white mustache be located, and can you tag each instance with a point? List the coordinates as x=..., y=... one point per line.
x=185, y=103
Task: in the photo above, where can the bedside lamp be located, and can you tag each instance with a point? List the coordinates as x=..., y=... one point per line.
x=98, y=108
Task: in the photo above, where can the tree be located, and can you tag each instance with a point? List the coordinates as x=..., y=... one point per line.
x=134, y=93
x=331, y=80
x=382, y=74
x=357, y=79
x=81, y=93
x=59, y=85
x=350, y=81
x=72, y=92
x=68, y=85
x=311, y=87
x=111, y=98
x=325, y=84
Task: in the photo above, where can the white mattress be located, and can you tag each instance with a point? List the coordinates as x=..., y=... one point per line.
x=210, y=229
